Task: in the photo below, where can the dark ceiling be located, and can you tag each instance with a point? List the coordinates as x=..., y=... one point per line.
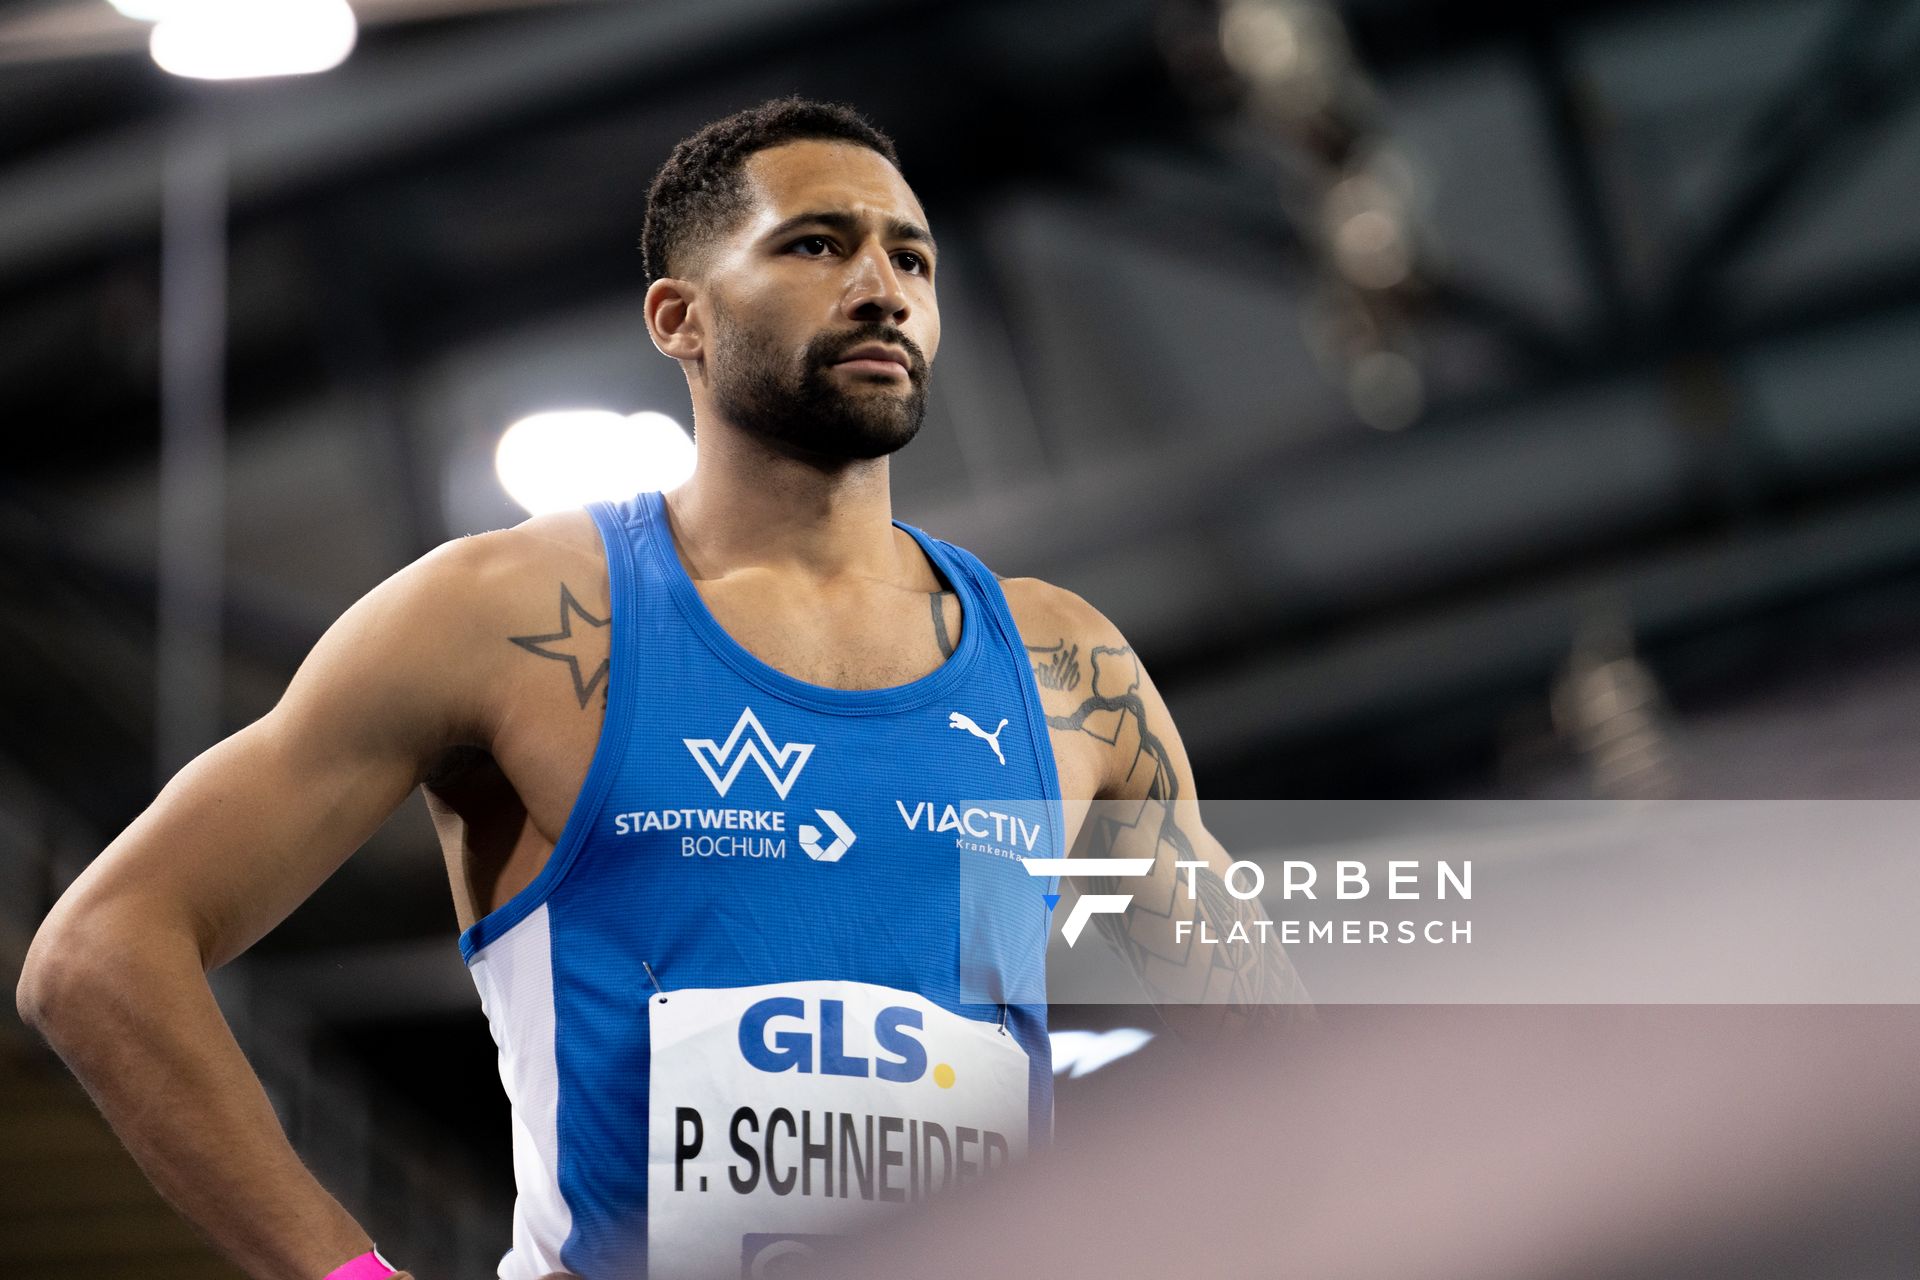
x=1645, y=224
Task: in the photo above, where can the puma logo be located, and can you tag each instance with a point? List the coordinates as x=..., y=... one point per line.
x=958, y=720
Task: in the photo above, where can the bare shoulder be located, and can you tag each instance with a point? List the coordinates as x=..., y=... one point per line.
x=564, y=538
x=1091, y=685
x=1096, y=694
x=429, y=647
x=1047, y=615
x=1074, y=648
x=477, y=584
x=564, y=543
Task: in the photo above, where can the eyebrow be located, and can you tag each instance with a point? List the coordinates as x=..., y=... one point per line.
x=848, y=225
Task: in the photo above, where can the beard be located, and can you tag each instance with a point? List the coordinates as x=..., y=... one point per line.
x=803, y=407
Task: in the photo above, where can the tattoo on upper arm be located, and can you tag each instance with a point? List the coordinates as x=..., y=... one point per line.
x=1243, y=978
x=575, y=647
x=937, y=602
x=1056, y=666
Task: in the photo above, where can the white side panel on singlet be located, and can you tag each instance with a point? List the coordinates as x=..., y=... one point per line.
x=514, y=974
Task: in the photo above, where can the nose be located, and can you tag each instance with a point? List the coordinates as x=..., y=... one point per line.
x=874, y=292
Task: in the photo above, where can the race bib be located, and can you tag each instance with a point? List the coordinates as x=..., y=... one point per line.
x=784, y=1114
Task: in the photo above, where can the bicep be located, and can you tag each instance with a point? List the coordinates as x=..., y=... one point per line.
x=1107, y=719
x=248, y=830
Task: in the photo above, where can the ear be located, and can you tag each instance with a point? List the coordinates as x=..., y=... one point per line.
x=673, y=321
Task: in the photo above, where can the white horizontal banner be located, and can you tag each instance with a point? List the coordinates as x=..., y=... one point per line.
x=1468, y=902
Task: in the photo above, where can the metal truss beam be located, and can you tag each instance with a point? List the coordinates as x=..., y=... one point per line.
x=1819, y=121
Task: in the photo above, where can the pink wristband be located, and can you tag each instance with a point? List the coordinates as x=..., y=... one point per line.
x=368, y=1266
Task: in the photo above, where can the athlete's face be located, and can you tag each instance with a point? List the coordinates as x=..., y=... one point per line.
x=818, y=298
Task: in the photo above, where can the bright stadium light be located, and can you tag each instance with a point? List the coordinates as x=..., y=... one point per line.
x=248, y=39
x=555, y=461
x=145, y=10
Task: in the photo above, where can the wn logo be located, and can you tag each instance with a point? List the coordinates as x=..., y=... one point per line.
x=764, y=1256
x=809, y=835
x=1089, y=904
x=960, y=720
x=722, y=762
x=777, y=1035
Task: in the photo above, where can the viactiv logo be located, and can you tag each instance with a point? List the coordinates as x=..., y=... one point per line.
x=1089, y=904
x=779, y=1034
x=809, y=835
x=722, y=762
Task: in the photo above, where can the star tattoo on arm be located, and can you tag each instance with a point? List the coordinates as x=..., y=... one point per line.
x=571, y=647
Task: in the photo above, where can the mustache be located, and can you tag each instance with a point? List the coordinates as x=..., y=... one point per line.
x=829, y=348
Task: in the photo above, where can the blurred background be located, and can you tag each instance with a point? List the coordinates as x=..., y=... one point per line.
x=1446, y=398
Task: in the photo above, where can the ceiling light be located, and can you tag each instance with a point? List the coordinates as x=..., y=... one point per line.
x=564, y=459
x=145, y=10
x=1386, y=390
x=248, y=39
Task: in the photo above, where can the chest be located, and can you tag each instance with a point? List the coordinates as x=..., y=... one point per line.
x=884, y=640
x=856, y=636
x=554, y=707
x=877, y=639
x=512, y=814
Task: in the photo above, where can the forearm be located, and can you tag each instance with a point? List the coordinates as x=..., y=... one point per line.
x=1191, y=939
x=137, y=1023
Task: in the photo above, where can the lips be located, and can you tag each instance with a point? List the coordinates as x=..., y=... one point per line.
x=875, y=357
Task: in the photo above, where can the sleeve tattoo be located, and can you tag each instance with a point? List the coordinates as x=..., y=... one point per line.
x=1243, y=979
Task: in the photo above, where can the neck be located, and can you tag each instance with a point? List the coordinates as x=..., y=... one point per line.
x=750, y=505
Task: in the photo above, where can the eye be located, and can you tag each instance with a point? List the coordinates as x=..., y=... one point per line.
x=807, y=244
x=908, y=260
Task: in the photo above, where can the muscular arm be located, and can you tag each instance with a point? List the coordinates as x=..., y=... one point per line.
x=117, y=975
x=1143, y=805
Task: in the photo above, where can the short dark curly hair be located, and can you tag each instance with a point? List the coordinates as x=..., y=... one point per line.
x=701, y=191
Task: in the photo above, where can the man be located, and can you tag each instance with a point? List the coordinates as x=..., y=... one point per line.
x=732, y=784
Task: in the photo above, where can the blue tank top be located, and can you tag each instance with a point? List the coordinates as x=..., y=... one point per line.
x=784, y=968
